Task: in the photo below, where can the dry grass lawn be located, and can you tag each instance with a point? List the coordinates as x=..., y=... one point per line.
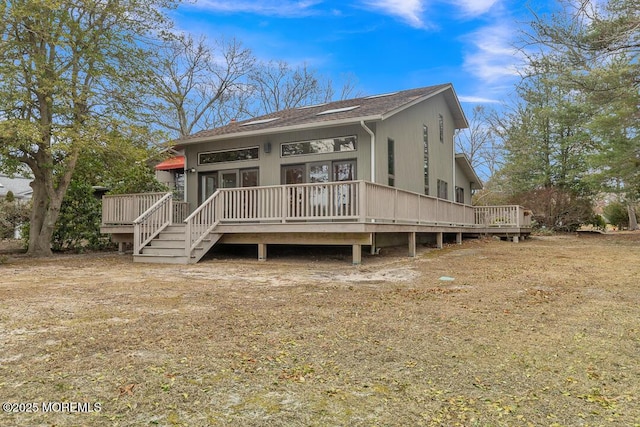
x=541, y=333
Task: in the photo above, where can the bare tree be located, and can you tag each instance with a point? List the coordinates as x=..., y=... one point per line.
x=278, y=86
x=196, y=85
x=480, y=143
x=348, y=90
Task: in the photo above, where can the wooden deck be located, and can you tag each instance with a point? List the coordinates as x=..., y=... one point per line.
x=355, y=213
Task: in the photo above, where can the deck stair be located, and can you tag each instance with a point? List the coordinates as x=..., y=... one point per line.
x=169, y=247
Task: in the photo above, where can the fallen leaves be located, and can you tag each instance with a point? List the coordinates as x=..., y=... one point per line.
x=127, y=389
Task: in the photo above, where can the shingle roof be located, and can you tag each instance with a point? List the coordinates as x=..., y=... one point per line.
x=376, y=107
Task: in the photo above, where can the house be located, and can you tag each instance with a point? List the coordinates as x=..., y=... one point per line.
x=22, y=193
x=368, y=171
x=412, y=131
x=19, y=186
x=170, y=172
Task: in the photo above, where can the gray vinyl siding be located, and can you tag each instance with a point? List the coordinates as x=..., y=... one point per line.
x=269, y=164
x=464, y=182
x=405, y=128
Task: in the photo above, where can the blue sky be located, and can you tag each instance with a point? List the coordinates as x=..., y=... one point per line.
x=387, y=45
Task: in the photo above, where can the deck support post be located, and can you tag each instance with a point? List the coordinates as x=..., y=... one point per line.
x=262, y=251
x=373, y=243
x=412, y=245
x=459, y=238
x=121, y=248
x=357, y=254
x=515, y=239
x=439, y=240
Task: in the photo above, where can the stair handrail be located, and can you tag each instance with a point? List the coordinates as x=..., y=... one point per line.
x=151, y=222
x=200, y=223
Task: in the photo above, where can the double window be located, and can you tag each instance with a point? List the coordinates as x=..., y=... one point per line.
x=319, y=146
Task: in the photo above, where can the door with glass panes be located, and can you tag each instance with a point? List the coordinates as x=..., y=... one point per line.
x=211, y=181
x=317, y=199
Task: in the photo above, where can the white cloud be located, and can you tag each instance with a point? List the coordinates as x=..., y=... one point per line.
x=409, y=11
x=492, y=58
x=474, y=7
x=413, y=11
x=477, y=100
x=261, y=7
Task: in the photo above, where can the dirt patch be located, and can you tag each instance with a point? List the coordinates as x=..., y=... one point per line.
x=544, y=332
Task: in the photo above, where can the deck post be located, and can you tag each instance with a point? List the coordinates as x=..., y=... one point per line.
x=362, y=201
x=187, y=238
x=373, y=243
x=459, y=238
x=262, y=251
x=439, y=240
x=284, y=204
x=412, y=244
x=357, y=254
x=121, y=248
x=395, y=205
x=515, y=239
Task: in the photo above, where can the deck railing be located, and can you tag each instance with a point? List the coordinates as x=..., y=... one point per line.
x=354, y=201
x=201, y=222
x=284, y=203
x=152, y=222
x=502, y=216
x=123, y=209
x=389, y=204
x=180, y=211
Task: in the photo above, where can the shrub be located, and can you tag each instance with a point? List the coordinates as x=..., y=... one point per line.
x=12, y=213
x=599, y=222
x=556, y=209
x=78, y=225
x=617, y=214
x=138, y=179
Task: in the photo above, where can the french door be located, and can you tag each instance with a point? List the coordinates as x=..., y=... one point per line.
x=315, y=201
x=211, y=181
x=208, y=186
x=340, y=170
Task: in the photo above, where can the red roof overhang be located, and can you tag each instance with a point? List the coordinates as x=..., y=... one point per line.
x=170, y=164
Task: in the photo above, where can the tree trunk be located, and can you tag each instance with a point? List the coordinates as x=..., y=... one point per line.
x=633, y=221
x=41, y=226
x=47, y=200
